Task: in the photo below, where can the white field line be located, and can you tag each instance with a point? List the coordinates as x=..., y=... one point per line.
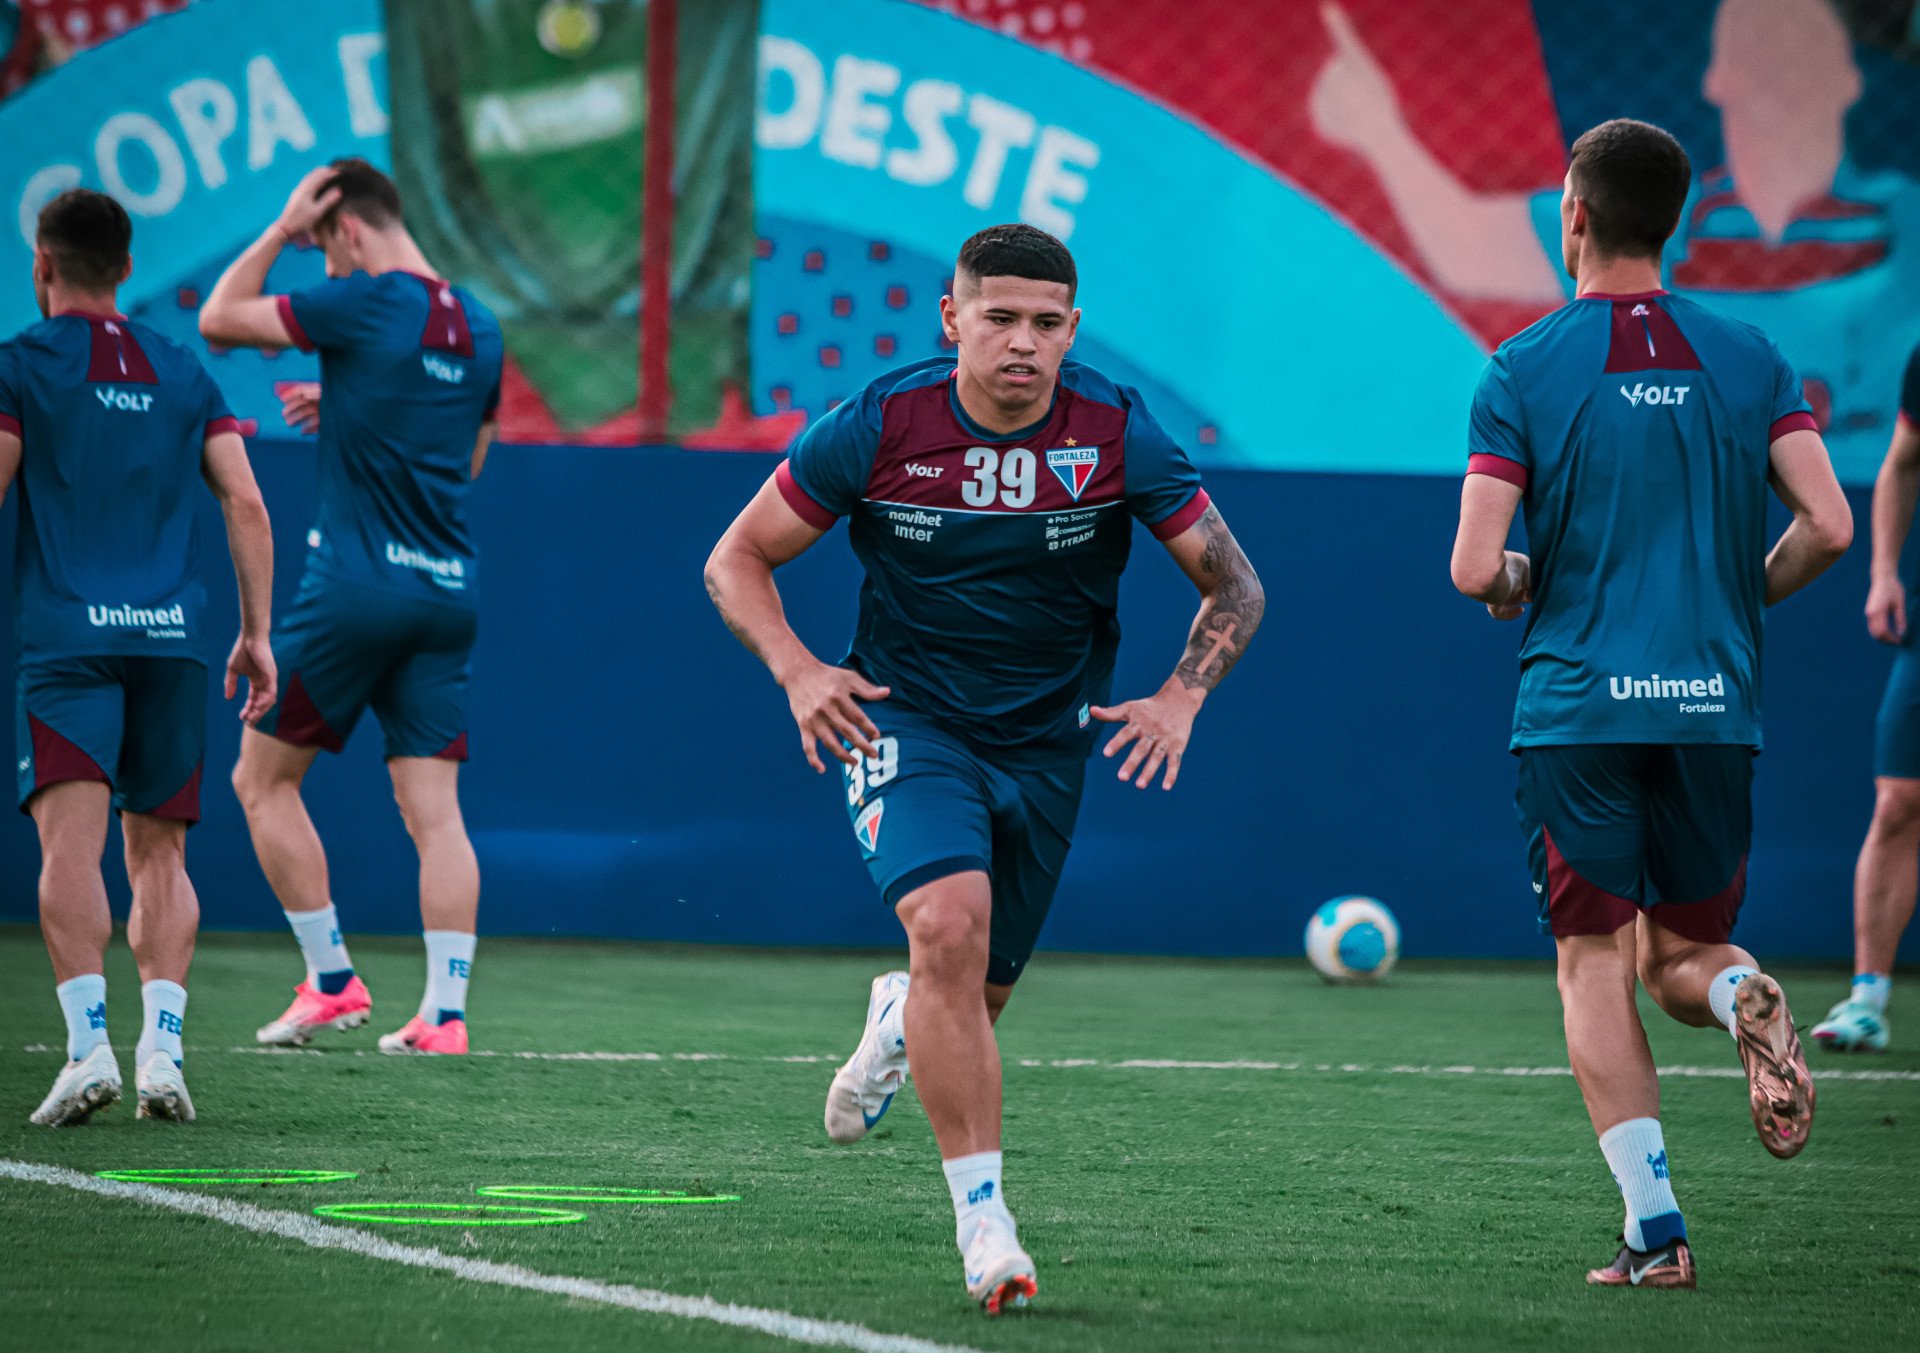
x=1730, y=1072
x=325, y=1236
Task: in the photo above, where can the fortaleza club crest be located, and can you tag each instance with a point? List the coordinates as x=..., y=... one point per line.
x=867, y=825
x=1075, y=466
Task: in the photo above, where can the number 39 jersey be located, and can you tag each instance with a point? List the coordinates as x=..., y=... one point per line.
x=993, y=561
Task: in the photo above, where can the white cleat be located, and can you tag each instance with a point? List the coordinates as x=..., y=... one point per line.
x=1000, y=1275
x=82, y=1089
x=162, y=1088
x=863, y=1089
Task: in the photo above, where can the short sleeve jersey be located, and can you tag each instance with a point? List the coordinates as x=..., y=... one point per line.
x=993, y=562
x=409, y=371
x=1639, y=429
x=113, y=420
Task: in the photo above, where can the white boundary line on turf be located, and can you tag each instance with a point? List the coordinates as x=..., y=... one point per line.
x=325, y=1236
x=1076, y=1063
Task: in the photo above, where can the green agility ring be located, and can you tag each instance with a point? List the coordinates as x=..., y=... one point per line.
x=589, y=1193
x=228, y=1176
x=522, y=1216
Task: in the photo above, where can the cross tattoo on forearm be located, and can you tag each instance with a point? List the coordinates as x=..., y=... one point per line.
x=1221, y=639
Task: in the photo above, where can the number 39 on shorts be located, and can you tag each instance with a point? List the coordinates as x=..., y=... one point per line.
x=870, y=772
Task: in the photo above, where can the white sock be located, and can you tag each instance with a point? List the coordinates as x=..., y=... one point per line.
x=449, y=965
x=1720, y=994
x=328, y=967
x=1873, y=989
x=974, y=1182
x=83, y=1000
x=1637, y=1155
x=166, y=1013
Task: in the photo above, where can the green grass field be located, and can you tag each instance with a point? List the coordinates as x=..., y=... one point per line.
x=1365, y=1192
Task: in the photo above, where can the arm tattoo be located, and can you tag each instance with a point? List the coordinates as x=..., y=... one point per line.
x=1231, y=611
x=720, y=605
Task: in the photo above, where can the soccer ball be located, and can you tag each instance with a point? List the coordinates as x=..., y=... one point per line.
x=1353, y=939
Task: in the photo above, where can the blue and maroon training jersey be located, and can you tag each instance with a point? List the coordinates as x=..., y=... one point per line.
x=1639, y=428
x=113, y=420
x=993, y=562
x=409, y=371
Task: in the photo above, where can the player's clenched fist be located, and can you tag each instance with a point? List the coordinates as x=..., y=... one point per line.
x=300, y=404
x=1887, y=610
x=826, y=704
x=1158, y=729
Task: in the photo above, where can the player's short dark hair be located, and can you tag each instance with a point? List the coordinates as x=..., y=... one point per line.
x=365, y=192
x=1634, y=179
x=89, y=236
x=1018, y=251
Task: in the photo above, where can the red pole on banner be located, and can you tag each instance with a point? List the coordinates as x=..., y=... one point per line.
x=656, y=220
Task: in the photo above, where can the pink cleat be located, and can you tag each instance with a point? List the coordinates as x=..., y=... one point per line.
x=449, y=1039
x=313, y=1010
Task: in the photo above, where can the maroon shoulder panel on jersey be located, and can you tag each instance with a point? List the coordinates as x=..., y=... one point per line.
x=1643, y=337
x=446, y=329
x=116, y=354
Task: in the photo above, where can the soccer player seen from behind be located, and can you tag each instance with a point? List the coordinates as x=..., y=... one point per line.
x=107, y=424
x=1888, y=876
x=1642, y=432
x=989, y=499
x=386, y=612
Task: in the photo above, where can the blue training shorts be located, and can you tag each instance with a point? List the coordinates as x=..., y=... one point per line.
x=930, y=806
x=137, y=724
x=1617, y=828
x=343, y=647
x=1896, y=732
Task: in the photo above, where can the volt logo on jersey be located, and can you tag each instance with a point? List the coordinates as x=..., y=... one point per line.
x=1655, y=394
x=867, y=826
x=124, y=400
x=442, y=370
x=1074, y=465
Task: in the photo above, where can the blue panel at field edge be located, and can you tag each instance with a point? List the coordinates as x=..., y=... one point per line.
x=1359, y=748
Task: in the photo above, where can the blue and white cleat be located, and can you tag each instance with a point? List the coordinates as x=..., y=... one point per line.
x=1852, y=1026
x=1000, y=1275
x=863, y=1089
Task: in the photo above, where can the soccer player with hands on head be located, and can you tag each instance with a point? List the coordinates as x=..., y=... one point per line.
x=990, y=498
x=387, y=613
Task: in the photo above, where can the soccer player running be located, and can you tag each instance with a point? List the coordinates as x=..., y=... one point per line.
x=1642, y=432
x=1888, y=875
x=988, y=499
x=107, y=424
x=386, y=613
